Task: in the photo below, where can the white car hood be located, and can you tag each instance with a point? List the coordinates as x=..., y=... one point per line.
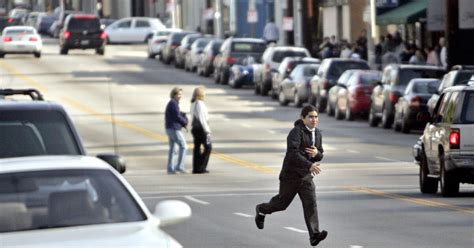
x=133, y=234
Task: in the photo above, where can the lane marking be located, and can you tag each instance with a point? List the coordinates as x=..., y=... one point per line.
x=246, y=125
x=356, y=246
x=417, y=201
x=244, y=215
x=271, y=131
x=352, y=151
x=295, y=229
x=387, y=159
x=196, y=200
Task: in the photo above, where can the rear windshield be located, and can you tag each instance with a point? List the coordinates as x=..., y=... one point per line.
x=84, y=24
x=426, y=87
x=29, y=133
x=177, y=37
x=408, y=74
x=19, y=32
x=463, y=77
x=249, y=47
x=467, y=115
x=215, y=47
x=370, y=79
x=337, y=68
x=280, y=55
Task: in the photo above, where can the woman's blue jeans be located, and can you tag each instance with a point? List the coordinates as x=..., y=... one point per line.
x=176, y=139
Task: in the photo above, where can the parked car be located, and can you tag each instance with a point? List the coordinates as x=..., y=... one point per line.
x=395, y=79
x=44, y=23
x=353, y=99
x=285, y=68
x=342, y=82
x=234, y=51
x=32, y=18
x=206, y=60
x=20, y=40
x=133, y=29
x=82, y=31
x=445, y=150
x=105, y=22
x=271, y=59
x=328, y=74
x=192, y=56
x=183, y=49
x=37, y=127
x=173, y=42
x=411, y=110
x=296, y=87
x=459, y=75
x=58, y=23
x=63, y=201
x=158, y=41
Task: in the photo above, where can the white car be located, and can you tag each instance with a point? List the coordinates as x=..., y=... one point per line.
x=133, y=29
x=20, y=39
x=158, y=41
x=63, y=201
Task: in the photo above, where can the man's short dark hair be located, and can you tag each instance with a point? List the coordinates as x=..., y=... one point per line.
x=308, y=108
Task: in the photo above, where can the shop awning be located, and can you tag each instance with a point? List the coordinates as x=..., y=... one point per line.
x=410, y=12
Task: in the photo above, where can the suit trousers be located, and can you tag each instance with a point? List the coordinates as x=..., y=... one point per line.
x=201, y=158
x=306, y=190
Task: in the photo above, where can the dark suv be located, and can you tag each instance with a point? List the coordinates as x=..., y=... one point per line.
x=38, y=127
x=445, y=151
x=395, y=79
x=82, y=31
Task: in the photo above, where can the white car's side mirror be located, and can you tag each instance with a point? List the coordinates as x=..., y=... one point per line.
x=171, y=212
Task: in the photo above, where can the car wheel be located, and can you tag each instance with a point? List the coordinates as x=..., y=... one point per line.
x=449, y=184
x=320, y=104
x=386, y=122
x=100, y=51
x=63, y=51
x=107, y=40
x=273, y=93
x=2, y=55
x=151, y=56
x=349, y=114
x=330, y=110
x=338, y=113
x=428, y=185
x=257, y=89
x=373, y=121
x=37, y=55
x=405, y=126
x=312, y=99
x=281, y=99
x=263, y=89
x=298, y=102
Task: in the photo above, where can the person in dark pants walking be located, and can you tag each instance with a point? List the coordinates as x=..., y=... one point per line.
x=301, y=164
x=200, y=131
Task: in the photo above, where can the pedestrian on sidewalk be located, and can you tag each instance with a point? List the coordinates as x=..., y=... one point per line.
x=200, y=131
x=301, y=164
x=175, y=120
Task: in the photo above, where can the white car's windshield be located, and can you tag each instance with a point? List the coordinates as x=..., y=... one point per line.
x=63, y=198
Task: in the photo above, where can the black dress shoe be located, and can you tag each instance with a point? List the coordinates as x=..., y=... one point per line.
x=318, y=238
x=259, y=218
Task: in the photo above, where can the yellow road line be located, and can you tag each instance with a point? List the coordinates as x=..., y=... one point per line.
x=148, y=133
x=408, y=199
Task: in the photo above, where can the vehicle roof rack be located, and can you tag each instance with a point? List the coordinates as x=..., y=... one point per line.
x=33, y=93
x=462, y=67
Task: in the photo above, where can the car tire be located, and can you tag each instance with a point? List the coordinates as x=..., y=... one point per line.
x=273, y=93
x=281, y=99
x=330, y=111
x=320, y=104
x=297, y=100
x=428, y=185
x=217, y=79
x=405, y=127
x=386, y=122
x=349, y=115
x=373, y=120
x=2, y=55
x=338, y=113
x=448, y=184
x=151, y=56
x=100, y=51
x=257, y=89
x=63, y=51
x=37, y=55
x=263, y=89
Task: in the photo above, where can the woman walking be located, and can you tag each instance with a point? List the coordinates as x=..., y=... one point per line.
x=200, y=131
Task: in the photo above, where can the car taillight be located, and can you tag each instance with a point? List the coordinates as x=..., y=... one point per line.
x=393, y=97
x=454, y=138
x=325, y=84
x=67, y=34
x=174, y=46
x=103, y=35
x=211, y=57
x=358, y=92
x=231, y=60
x=7, y=38
x=33, y=39
x=415, y=102
x=10, y=20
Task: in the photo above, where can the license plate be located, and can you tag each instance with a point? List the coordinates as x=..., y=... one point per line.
x=84, y=42
x=20, y=46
